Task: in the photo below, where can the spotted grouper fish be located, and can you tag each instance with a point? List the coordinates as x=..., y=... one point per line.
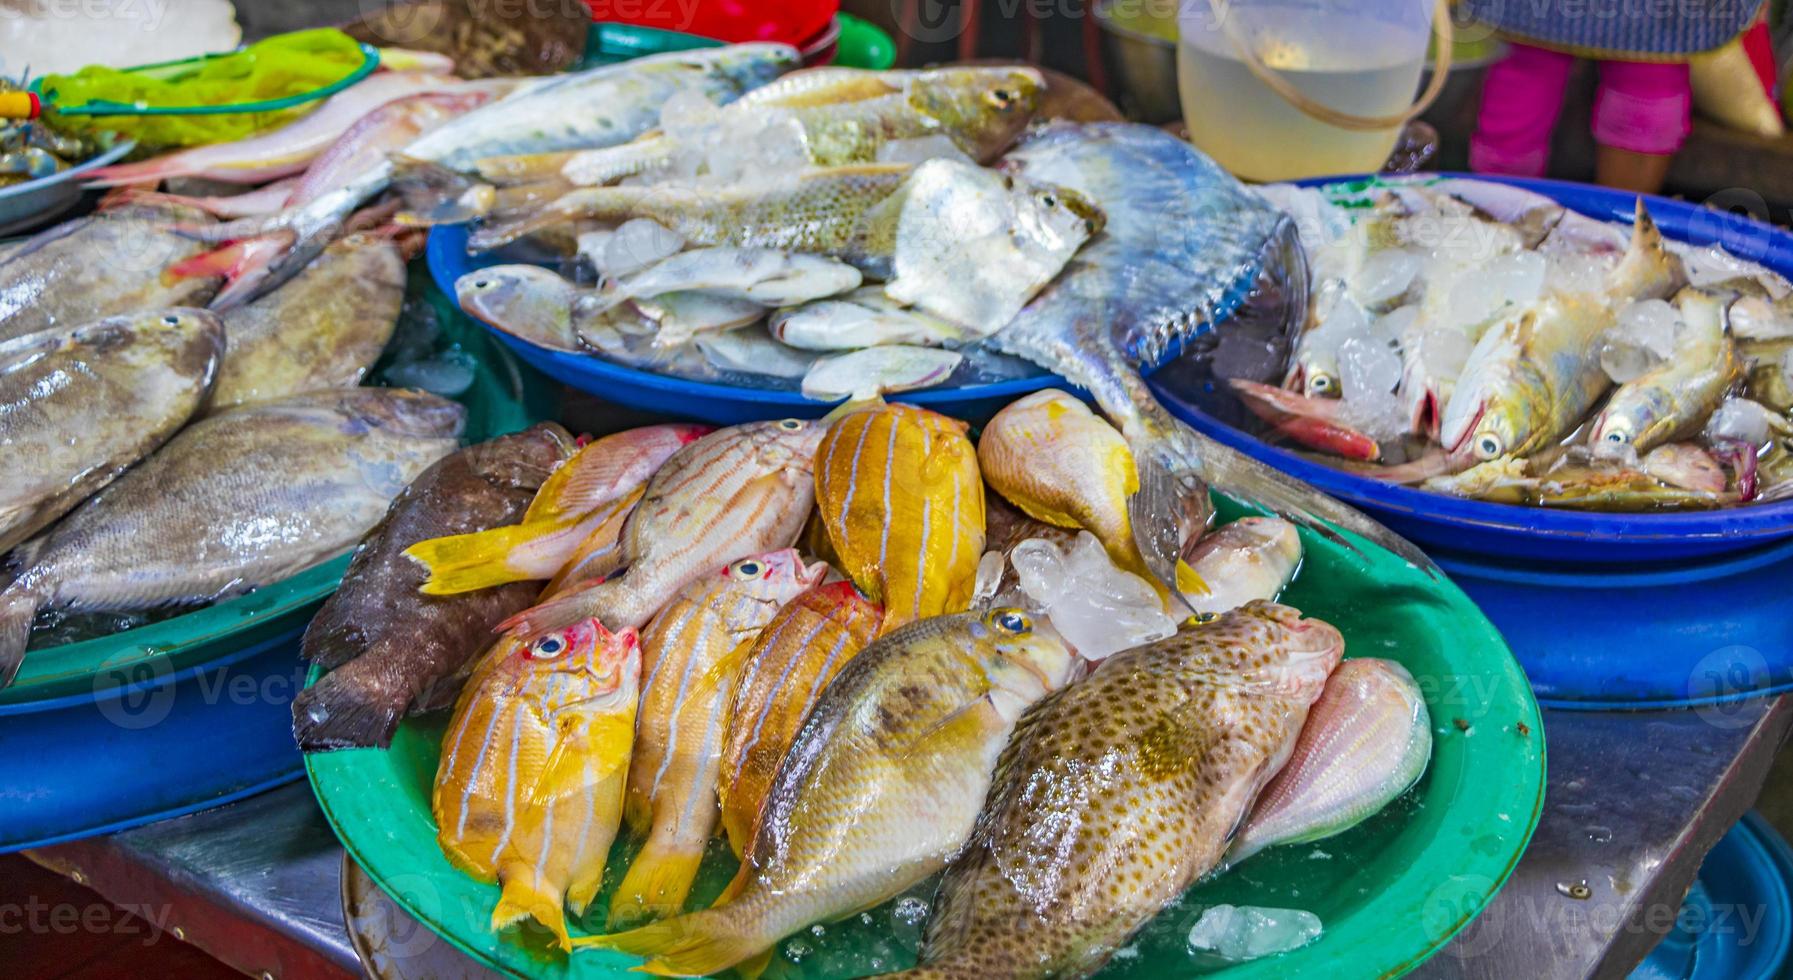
x=1184, y=246
x=1119, y=792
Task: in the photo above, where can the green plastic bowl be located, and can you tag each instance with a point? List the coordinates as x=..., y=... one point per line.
x=506, y=396
x=1390, y=891
x=860, y=45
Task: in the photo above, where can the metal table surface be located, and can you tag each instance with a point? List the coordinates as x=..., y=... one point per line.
x=1634, y=802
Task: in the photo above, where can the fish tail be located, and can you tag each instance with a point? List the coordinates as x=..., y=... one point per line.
x=337, y=713
x=1175, y=460
x=466, y=562
x=656, y=884
x=557, y=613
x=526, y=896
x=18, y=609
x=692, y=945
x=435, y=195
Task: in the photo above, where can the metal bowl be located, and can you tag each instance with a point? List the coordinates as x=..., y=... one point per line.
x=37, y=201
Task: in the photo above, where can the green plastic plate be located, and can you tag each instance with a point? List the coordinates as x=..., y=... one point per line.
x=1389, y=892
x=505, y=396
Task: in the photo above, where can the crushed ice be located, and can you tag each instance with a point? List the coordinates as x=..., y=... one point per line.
x=1098, y=608
x=1643, y=336
x=1740, y=418
x=1237, y=933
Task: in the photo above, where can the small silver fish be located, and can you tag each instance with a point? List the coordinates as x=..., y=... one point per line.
x=873, y=371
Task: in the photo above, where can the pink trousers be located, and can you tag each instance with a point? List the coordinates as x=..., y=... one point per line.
x=1642, y=107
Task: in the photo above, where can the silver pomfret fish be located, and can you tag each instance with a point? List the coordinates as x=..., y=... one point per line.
x=1183, y=246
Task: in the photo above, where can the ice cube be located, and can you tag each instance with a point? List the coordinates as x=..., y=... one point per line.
x=1377, y=414
x=1098, y=608
x=635, y=245
x=1575, y=272
x=1653, y=324
x=1385, y=277
x=989, y=577
x=1443, y=351
x=1740, y=418
x=1394, y=325
x=1368, y=365
x=687, y=115
x=1498, y=288
x=1237, y=933
x=921, y=149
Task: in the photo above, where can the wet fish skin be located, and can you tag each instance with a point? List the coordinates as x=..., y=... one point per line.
x=809, y=641
x=1531, y=378
x=78, y=405
x=861, y=375
x=97, y=266
x=391, y=651
x=693, y=651
x=1182, y=246
x=768, y=276
x=1250, y=558
x=234, y=501
x=592, y=491
x=864, y=318
x=882, y=786
x=739, y=491
x=1153, y=760
x=1057, y=461
x=1674, y=399
x=1366, y=741
x=898, y=489
x=322, y=329
x=529, y=788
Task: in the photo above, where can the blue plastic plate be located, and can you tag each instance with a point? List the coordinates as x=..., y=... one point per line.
x=1737, y=920
x=720, y=404
x=1491, y=530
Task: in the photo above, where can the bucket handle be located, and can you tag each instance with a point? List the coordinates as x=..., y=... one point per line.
x=1441, y=70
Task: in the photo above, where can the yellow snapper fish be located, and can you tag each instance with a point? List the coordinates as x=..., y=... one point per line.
x=529, y=791
x=736, y=492
x=1674, y=399
x=882, y=786
x=898, y=490
x=1532, y=377
x=1049, y=455
x=585, y=494
x=1121, y=791
x=846, y=115
x=692, y=651
x=791, y=663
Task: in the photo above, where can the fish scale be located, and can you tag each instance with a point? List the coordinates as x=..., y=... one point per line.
x=692, y=651
x=903, y=508
x=1118, y=793
x=736, y=492
x=529, y=788
x=804, y=646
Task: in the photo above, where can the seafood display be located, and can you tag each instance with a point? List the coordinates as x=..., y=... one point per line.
x=1484, y=341
x=237, y=500
x=390, y=650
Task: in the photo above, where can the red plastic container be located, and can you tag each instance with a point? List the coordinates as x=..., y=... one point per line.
x=799, y=23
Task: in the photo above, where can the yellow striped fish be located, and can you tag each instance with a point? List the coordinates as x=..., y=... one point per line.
x=529, y=790
x=804, y=646
x=899, y=493
x=601, y=553
x=736, y=492
x=692, y=652
x=580, y=497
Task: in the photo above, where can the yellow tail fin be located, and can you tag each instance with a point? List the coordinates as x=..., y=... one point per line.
x=656, y=885
x=688, y=946
x=465, y=562
x=526, y=897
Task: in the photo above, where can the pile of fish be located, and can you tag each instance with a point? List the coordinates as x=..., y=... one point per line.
x=829, y=643
x=851, y=211
x=1483, y=340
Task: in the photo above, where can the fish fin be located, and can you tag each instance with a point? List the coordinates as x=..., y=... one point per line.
x=1157, y=532
x=687, y=946
x=754, y=967
x=970, y=720
x=656, y=885
x=435, y=195
x=467, y=562
x=723, y=671
x=18, y=609
x=559, y=612
x=524, y=896
x=736, y=885
x=609, y=739
x=334, y=714
x=522, y=167
x=1179, y=458
x=1190, y=582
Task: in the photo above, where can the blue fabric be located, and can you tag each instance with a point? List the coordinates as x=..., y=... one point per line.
x=1642, y=29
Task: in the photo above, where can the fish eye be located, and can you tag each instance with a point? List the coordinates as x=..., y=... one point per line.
x=1049, y=200
x=549, y=646
x=748, y=568
x=1618, y=438
x=791, y=425
x=1010, y=621
x=1204, y=618
x=481, y=283
x=1001, y=97
x=1489, y=447
x=172, y=320
x=1321, y=383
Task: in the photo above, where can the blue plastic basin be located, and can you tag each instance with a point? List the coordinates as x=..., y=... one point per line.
x=1737, y=920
